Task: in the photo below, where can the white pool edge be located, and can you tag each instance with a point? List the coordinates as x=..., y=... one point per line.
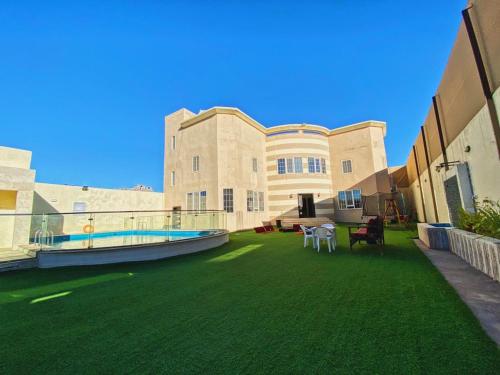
x=130, y=253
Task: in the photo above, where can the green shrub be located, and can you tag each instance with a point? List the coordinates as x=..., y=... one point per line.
x=485, y=221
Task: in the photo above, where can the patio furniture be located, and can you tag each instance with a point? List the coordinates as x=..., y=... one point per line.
x=308, y=233
x=371, y=233
x=260, y=230
x=283, y=228
x=325, y=235
x=332, y=229
x=328, y=226
x=269, y=227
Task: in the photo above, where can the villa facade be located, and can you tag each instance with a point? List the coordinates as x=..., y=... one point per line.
x=223, y=159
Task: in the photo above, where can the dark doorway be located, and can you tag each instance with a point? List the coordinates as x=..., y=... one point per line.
x=453, y=199
x=176, y=217
x=306, y=205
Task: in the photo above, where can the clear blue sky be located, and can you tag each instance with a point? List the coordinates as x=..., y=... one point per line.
x=85, y=85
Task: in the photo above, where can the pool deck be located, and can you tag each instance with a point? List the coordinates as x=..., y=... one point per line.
x=480, y=292
x=11, y=259
x=11, y=254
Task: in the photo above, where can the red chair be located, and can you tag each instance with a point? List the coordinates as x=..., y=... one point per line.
x=269, y=228
x=260, y=230
x=371, y=233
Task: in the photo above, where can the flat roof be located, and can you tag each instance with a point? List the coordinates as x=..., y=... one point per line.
x=203, y=115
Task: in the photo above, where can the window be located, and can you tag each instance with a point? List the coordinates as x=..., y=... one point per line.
x=255, y=201
x=227, y=199
x=196, y=201
x=79, y=206
x=346, y=166
x=356, y=195
x=281, y=166
x=349, y=199
x=318, y=166
x=172, y=178
x=341, y=198
x=172, y=142
x=249, y=200
x=196, y=163
x=254, y=164
x=323, y=166
x=294, y=165
x=203, y=200
x=298, y=165
x=310, y=165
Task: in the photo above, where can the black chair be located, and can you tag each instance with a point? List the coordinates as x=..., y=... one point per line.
x=371, y=233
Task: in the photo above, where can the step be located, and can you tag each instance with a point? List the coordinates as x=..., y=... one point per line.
x=19, y=264
x=308, y=221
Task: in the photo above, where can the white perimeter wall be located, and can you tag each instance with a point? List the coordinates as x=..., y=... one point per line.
x=51, y=198
x=483, y=161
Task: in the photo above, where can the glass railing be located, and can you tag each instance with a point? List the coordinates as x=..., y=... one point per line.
x=107, y=229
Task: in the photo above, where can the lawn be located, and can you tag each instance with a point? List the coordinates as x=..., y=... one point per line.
x=259, y=304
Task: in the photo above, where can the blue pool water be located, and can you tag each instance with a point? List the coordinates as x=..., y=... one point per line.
x=124, y=238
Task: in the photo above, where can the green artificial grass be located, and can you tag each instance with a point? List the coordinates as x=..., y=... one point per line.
x=260, y=304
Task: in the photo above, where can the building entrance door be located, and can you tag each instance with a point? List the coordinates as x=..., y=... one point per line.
x=306, y=205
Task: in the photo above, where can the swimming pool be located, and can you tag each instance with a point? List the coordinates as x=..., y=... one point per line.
x=123, y=238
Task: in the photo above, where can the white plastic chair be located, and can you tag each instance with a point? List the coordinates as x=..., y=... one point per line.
x=331, y=228
x=325, y=235
x=308, y=233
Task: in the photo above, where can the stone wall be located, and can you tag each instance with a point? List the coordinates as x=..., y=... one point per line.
x=482, y=253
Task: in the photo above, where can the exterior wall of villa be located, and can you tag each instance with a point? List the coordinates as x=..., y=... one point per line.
x=472, y=148
x=228, y=143
x=237, y=145
x=283, y=189
x=16, y=195
x=222, y=139
x=366, y=150
x=15, y=158
x=19, y=194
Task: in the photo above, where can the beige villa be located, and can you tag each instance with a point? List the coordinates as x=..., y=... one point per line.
x=223, y=159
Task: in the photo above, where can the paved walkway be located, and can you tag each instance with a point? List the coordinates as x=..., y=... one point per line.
x=7, y=255
x=480, y=292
